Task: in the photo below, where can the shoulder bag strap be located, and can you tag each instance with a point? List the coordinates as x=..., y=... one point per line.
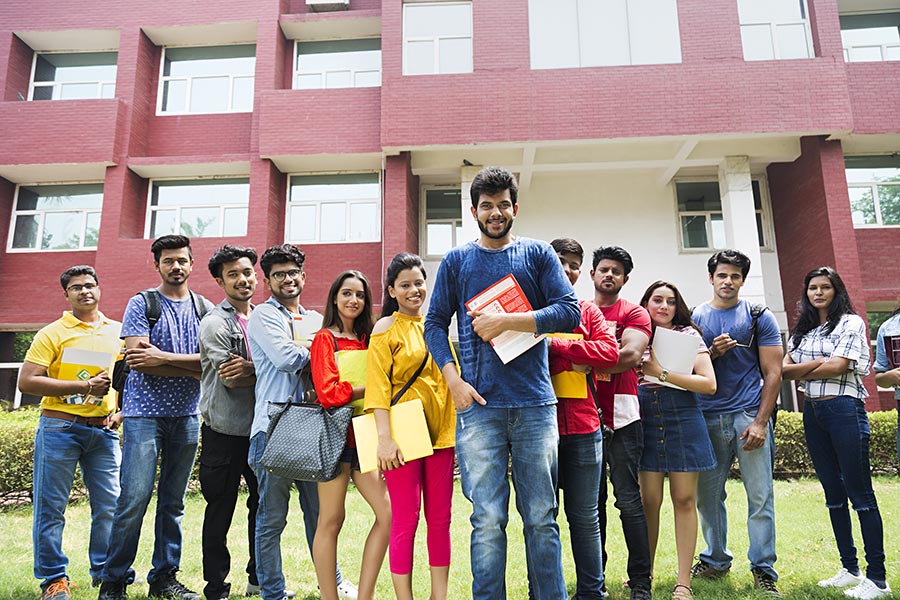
x=412, y=380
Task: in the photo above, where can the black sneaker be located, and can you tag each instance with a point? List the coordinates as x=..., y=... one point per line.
x=765, y=583
x=112, y=590
x=641, y=593
x=704, y=570
x=170, y=588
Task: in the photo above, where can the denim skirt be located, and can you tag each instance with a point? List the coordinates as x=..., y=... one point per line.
x=675, y=434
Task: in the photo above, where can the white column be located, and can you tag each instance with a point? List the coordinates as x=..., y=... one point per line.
x=739, y=218
x=469, y=226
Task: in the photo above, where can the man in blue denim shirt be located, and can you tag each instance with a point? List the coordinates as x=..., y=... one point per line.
x=279, y=359
x=885, y=374
x=161, y=425
x=504, y=410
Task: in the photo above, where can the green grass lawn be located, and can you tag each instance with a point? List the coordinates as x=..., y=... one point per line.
x=805, y=548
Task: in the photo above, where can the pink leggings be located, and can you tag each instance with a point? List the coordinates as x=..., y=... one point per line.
x=432, y=478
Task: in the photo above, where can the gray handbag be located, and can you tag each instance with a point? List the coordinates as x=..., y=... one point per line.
x=305, y=440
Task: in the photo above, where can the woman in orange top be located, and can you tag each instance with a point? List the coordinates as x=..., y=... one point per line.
x=348, y=323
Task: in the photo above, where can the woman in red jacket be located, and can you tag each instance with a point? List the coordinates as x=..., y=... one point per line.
x=347, y=325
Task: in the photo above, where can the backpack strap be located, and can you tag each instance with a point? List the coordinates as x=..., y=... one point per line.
x=756, y=311
x=152, y=305
x=199, y=302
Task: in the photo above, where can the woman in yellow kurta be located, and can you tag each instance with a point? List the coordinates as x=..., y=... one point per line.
x=396, y=351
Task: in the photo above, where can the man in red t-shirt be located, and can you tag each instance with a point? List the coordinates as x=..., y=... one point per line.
x=617, y=390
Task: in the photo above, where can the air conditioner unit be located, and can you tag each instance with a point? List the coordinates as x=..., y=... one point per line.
x=327, y=5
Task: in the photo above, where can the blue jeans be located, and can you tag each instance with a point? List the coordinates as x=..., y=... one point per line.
x=756, y=473
x=271, y=519
x=171, y=441
x=580, y=457
x=486, y=438
x=837, y=435
x=623, y=456
x=58, y=447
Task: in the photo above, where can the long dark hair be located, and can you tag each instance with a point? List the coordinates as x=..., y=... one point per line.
x=682, y=316
x=362, y=325
x=808, y=315
x=401, y=262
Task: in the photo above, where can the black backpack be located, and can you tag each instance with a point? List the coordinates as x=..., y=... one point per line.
x=152, y=310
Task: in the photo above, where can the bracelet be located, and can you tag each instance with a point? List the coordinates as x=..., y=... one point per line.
x=90, y=388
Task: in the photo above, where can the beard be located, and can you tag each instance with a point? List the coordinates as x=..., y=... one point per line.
x=496, y=236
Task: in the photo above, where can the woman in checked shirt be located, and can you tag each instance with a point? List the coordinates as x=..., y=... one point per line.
x=829, y=353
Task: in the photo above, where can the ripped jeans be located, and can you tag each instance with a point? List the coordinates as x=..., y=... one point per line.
x=837, y=435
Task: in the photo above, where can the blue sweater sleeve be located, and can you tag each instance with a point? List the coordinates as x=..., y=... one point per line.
x=561, y=314
x=444, y=301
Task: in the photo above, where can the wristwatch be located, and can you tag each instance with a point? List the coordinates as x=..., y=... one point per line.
x=664, y=375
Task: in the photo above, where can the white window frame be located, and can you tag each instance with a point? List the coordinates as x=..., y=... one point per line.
x=765, y=212
x=57, y=85
x=163, y=79
x=353, y=72
x=148, y=219
x=437, y=39
x=882, y=47
x=773, y=33
x=424, y=221
x=43, y=212
x=379, y=209
x=879, y=220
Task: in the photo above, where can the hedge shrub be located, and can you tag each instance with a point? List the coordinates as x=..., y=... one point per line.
x=791, y=458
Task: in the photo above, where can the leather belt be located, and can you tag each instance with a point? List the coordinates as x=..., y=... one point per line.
x=90, y=421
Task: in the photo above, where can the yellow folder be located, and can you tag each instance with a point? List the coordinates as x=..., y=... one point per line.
x=569, y=384
x=81, y=365
x=408, y=428
x=352, y=368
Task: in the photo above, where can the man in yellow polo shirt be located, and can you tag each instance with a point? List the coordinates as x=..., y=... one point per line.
x=68, y=364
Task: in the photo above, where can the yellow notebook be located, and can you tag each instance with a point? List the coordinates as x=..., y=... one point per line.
x=352, y=368
x=569, y=384
x=408, y=428
x=81, y=365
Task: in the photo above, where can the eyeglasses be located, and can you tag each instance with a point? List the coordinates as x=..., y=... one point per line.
x=79, y=288
x=748, y=344
x=280, y=275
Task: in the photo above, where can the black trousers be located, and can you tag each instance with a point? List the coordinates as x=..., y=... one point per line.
x=223, y=460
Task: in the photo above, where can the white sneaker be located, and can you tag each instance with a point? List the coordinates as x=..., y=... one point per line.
x=253, y=590
x=867, y=590
x=842, y=579
x=347, y=590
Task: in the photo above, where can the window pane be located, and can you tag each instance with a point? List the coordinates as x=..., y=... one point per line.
x=428, y=20
x=757, y=42
x=25, y=235
x=200, y=222
x=455, y=55
x=698, y=196
x=759, y=230
x=792, y=42
x=364, y=223
x=338, y=79
x=717, y=225
x=889, y=203
x=871, y=173
x=56, y=197
x=174, y=95
x=209, y=94
x=349, y=57
x=108, y=91
x=333, y=224
x=91, y=230
x=235, y=222
x=870, y=36
x=76, y=67
x=767, y=11
x=210, y=60
x=862, y=206
x=653, y=29
x=242, y=94
x=419, y=57
x=603, y=31
x=362, y=186
x=200, y=192
x=553, y=30
x=693, y=231
x=42, y=92
x=757, y=196
x=62, y=231
x=865, y=54
x=162, y=222
x=892, y=53
x=443, y=204
x=302, y=224
x=79, y=91
x=440, y=238
x=306, y=81
x=367, y=79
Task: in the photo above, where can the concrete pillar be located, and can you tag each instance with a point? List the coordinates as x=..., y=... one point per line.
x=739, y=218
x=469, y=225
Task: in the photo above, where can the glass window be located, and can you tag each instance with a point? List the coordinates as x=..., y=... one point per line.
x=437, y=38
x=334, y=208
x=199, y=208
x=700, y=214
x=83, y=75
x=774, y=29
x=587, y=33
x=873, y=184
x=213, y=79
x=871, y=38
x=338, y=64
x=443, y=220
x=56, y=217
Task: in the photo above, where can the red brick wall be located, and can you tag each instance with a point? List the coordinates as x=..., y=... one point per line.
x=875, y=101
x=15, y=60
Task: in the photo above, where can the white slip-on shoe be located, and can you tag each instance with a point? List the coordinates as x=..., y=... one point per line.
x=843, y=578
x=867, y=590
x=347, y=590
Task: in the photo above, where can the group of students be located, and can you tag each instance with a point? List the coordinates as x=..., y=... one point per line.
x=493, y=416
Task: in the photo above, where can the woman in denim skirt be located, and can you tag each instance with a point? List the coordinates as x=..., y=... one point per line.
x=676, y=441
x=829, y=354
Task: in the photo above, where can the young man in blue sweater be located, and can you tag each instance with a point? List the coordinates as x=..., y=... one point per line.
x=504, y=410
